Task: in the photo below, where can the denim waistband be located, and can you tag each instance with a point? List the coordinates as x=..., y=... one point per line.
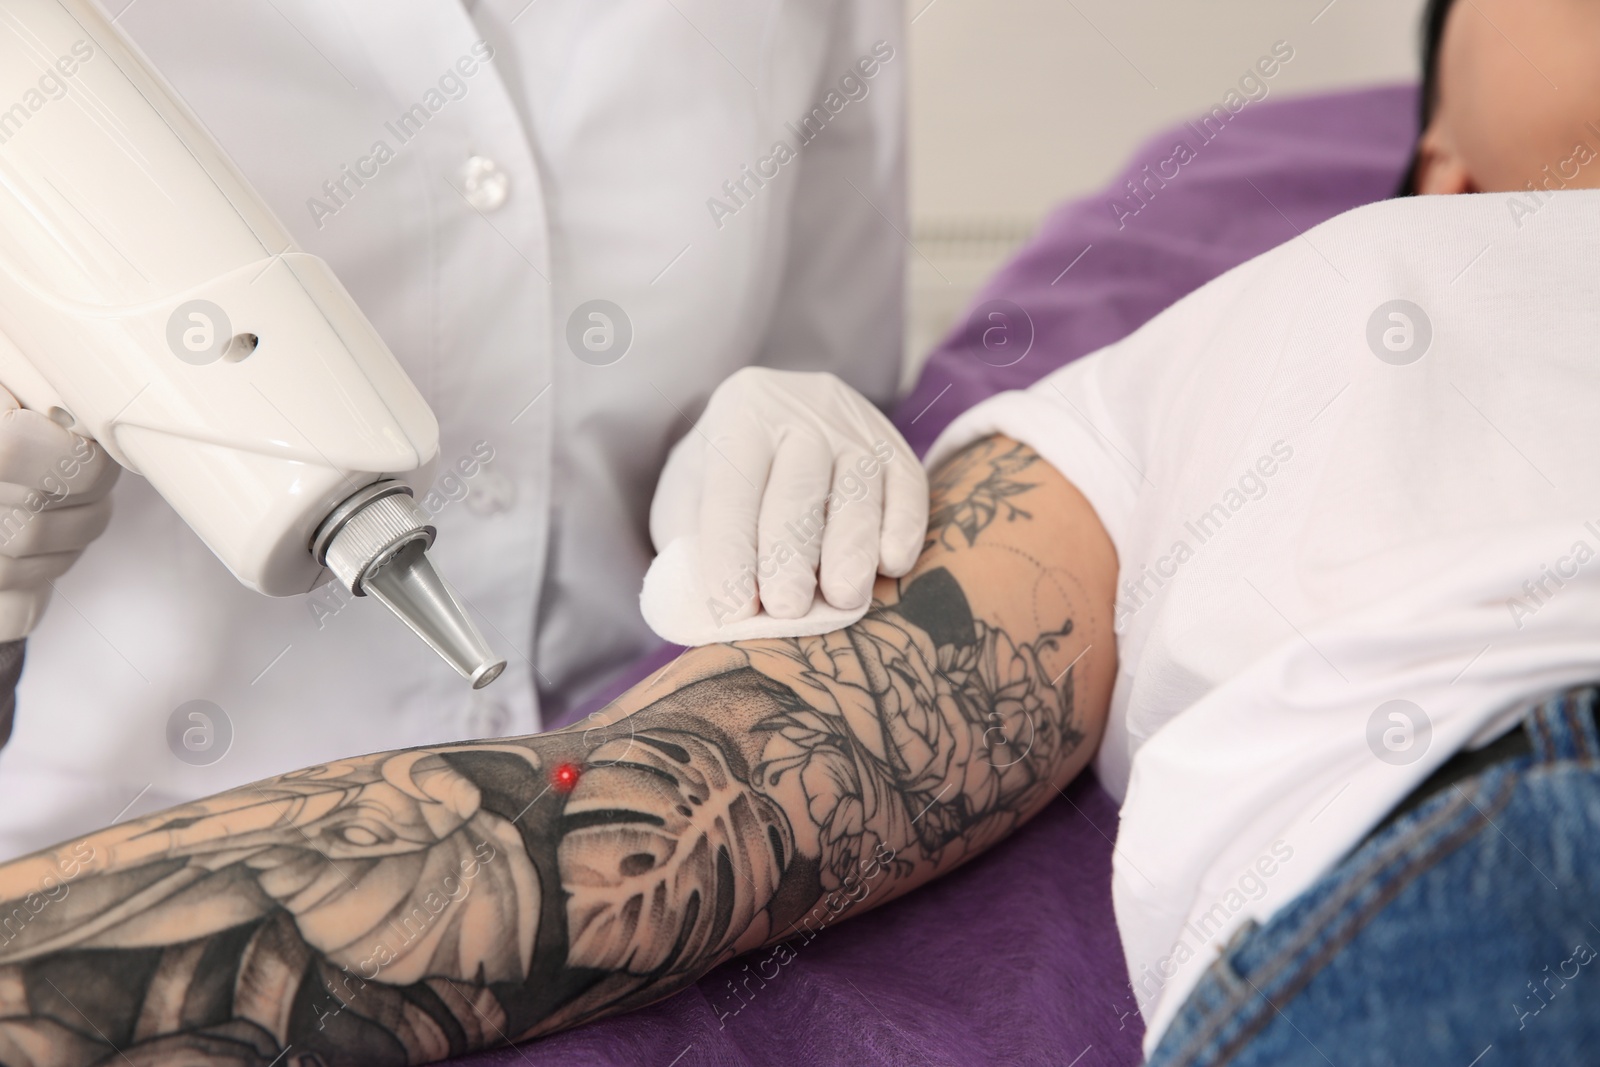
x=1550, y=728
x=1264, y=968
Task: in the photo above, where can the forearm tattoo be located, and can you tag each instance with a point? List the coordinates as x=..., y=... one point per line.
x=410, y=907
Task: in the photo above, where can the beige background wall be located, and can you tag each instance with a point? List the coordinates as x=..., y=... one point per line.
x=1017, y=105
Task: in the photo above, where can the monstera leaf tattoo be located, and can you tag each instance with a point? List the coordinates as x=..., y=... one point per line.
x=651, y=882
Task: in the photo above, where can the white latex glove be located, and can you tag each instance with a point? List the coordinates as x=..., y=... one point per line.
x=53, y=502
x=791, y=482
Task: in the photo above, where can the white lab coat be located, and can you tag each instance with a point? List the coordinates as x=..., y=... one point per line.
x=603, y=133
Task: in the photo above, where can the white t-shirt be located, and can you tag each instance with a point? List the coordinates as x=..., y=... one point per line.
x=1324, y=501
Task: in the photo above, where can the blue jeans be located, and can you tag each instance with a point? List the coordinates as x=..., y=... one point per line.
x=1465, y=932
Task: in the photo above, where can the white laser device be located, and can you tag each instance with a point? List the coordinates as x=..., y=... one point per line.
x=149, y=299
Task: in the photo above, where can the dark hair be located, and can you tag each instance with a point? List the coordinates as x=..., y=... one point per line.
x=1433, y=20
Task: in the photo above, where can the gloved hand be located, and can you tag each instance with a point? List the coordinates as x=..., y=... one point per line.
x=54, y=488
x=789, y=480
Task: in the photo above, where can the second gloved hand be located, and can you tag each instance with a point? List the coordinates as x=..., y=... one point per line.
x=54, y=500
x=791, y=482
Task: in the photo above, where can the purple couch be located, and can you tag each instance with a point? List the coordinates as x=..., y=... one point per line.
x=1015, y=959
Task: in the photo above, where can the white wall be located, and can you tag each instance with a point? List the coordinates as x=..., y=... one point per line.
x=1017, y=105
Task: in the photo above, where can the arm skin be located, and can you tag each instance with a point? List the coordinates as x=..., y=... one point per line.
x=408, y=907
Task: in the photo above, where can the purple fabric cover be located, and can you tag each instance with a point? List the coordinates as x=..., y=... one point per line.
x=1014, y=959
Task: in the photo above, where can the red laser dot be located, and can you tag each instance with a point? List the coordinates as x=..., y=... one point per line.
x=565, y=777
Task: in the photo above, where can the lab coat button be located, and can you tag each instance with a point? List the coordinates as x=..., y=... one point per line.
x=484, y=183
x=492, y=493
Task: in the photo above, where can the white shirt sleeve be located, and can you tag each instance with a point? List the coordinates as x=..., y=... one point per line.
x=1065, y=419
x=1099, y=420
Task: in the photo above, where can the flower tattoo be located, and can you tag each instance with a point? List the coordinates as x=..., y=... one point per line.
x=972, y=511
x=941, y=741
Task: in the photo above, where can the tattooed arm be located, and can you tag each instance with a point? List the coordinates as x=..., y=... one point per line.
x=407, y=907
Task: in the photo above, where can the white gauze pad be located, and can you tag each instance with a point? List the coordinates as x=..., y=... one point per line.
x=677, y=609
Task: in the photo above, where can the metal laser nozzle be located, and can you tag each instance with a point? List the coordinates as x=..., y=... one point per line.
x=377, y=541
